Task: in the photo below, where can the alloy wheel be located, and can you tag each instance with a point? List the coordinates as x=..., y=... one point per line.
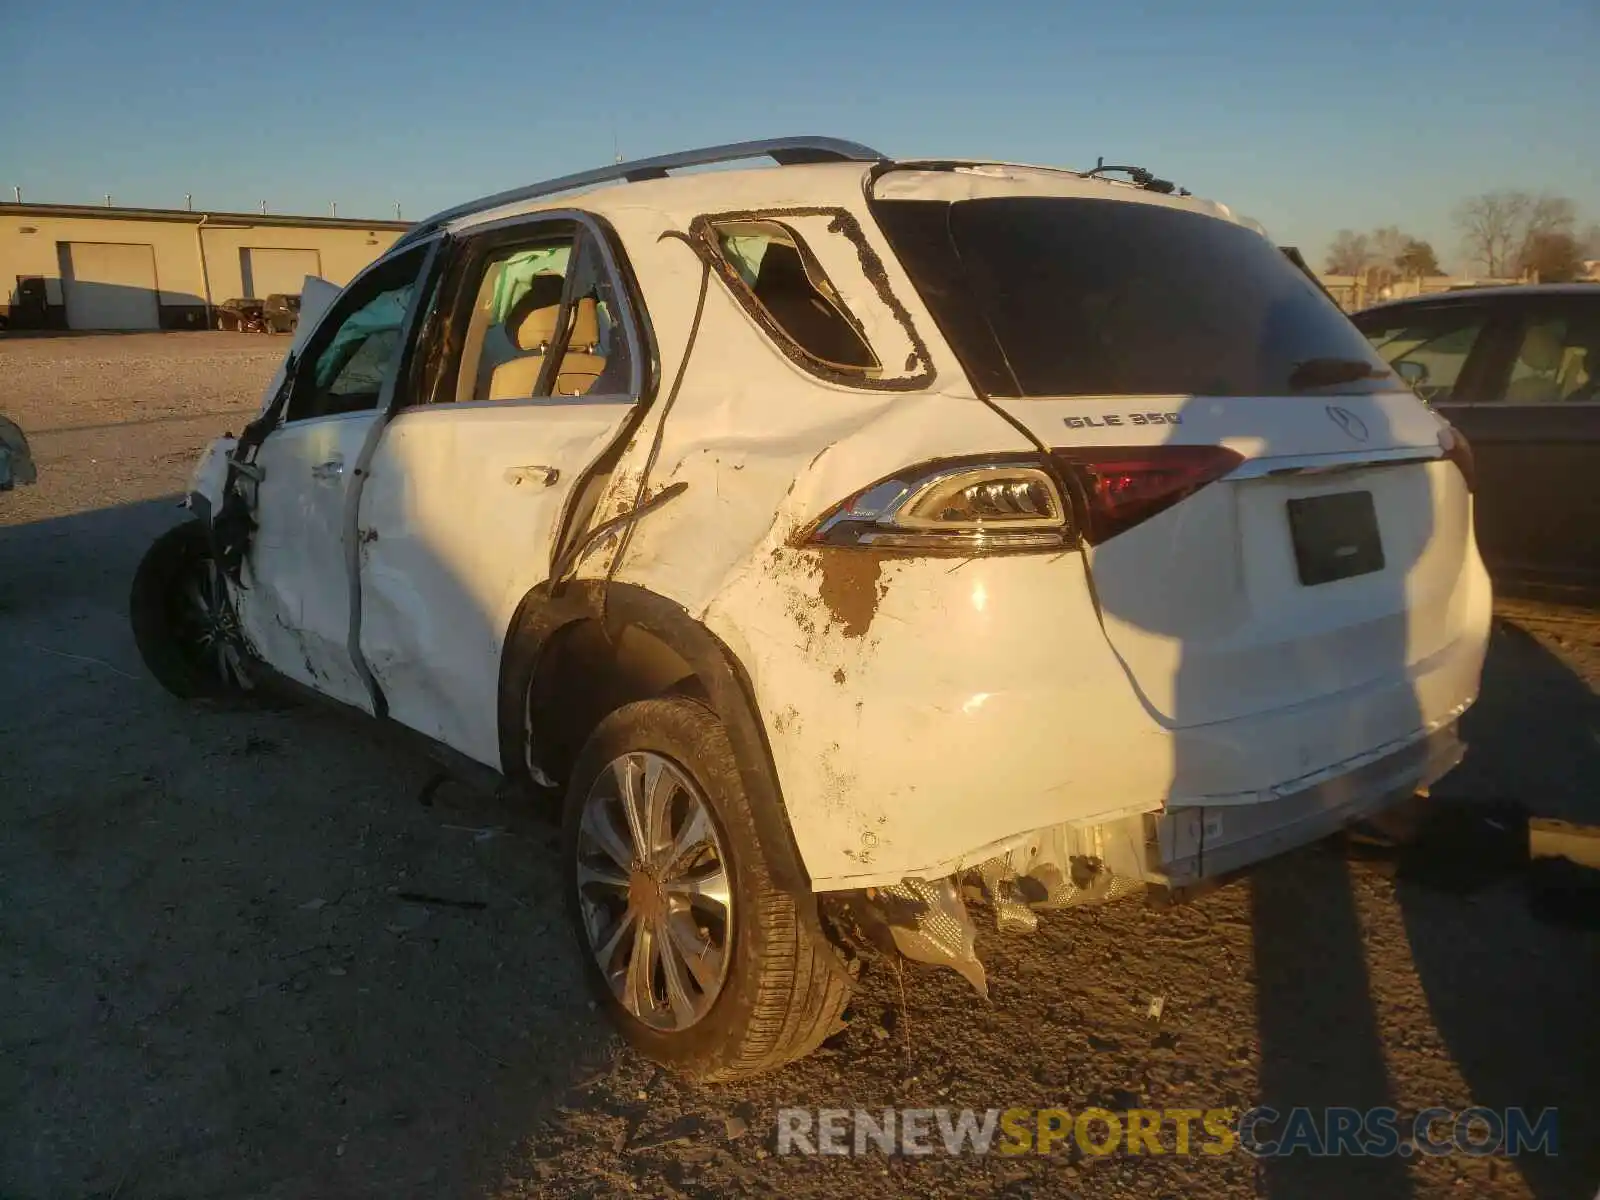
x=654, y=890
x=209, y=626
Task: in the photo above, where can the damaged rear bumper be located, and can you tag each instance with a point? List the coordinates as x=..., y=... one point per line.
x=1185, y=844
x=1203, y=841
x=1176, y=849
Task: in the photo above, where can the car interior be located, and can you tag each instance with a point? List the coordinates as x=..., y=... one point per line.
x=1555, y=363
x=530, y=328
x=1536, y=373
x=781, y=281
x=514, y=325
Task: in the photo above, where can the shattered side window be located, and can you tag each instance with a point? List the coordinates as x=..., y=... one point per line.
x=351, y=356
x=816, y=287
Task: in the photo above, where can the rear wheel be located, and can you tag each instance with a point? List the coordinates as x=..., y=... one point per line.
x=700, y=961
x=183, y=621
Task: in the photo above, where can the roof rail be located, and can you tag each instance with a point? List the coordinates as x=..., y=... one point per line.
x=788, y=151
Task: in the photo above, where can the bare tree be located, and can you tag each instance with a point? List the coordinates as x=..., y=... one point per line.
x=1492, y=227
x=1387, y=244
x=1550, y=214
x=1502, y=229
x=1349, y=254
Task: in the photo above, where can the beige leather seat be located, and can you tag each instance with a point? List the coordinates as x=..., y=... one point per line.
x=1541, y=354
x=532, y=330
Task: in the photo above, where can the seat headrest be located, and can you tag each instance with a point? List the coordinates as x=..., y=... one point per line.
x=534, y=328
x=585, y=326
x=526, y=325
x=1541, y=350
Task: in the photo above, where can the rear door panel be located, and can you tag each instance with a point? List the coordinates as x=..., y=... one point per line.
x=1538, y=465
x=1539, y=488
x=464, y=505
x=457, y=522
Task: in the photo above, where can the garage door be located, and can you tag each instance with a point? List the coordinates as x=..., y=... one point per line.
x=109, y=285
x=268, y=270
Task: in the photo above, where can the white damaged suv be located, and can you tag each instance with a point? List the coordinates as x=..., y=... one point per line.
x=837, y=532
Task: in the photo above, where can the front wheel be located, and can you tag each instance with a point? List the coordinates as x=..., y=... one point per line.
x=183, y=621
x=701, y=962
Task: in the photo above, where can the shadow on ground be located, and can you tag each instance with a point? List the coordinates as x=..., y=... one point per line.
x=243, y=957
x=1511, y=997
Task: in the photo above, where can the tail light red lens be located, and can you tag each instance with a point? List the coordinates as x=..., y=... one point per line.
x=1459, y=451
x=1123, y=486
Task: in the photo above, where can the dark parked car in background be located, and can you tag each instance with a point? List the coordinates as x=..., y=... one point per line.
x=1517, y=370
x=281, y=312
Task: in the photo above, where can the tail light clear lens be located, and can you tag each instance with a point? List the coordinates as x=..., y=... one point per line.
x=1122, y=486
x=1459, y=451
x=955, y=508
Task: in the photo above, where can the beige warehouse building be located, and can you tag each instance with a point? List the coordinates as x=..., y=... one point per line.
x=65, y=266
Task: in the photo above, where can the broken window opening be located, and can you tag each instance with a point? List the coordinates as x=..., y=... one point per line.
x=350, y=355
x=770, y=266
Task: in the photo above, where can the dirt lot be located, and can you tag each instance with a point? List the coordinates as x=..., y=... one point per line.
x=263, y=955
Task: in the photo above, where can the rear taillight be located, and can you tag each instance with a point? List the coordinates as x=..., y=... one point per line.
x=967, y=507
x=1459, y=451
x=1122, y=486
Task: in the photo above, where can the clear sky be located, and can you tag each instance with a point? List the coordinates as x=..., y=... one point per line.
x=1307, y=115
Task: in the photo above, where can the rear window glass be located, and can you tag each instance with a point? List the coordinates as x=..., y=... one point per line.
x=1059, y=296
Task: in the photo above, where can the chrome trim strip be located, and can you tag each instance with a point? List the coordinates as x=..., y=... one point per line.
x=1332, y=464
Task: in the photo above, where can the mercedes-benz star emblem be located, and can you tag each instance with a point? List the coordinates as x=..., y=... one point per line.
x=1349, y=422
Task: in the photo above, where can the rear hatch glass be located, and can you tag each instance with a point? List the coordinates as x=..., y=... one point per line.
x=1066, y=296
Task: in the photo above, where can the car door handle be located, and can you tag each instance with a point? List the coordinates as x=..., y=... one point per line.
x=546, y=476
x=327, y=471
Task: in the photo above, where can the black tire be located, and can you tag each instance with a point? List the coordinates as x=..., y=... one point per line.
x=166, y=627
x=785, y=986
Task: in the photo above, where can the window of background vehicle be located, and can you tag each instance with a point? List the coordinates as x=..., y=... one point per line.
x=1557, y=359
x=516, y=313
x=1059, y=296
x=1440, y=341
x=353, y=352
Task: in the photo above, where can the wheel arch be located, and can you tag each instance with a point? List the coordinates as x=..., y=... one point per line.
x=591, y=647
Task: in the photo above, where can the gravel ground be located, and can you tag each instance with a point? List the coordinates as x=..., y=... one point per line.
x=272, y=955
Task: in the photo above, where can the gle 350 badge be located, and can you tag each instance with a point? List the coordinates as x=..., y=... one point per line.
x=1107, y=419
